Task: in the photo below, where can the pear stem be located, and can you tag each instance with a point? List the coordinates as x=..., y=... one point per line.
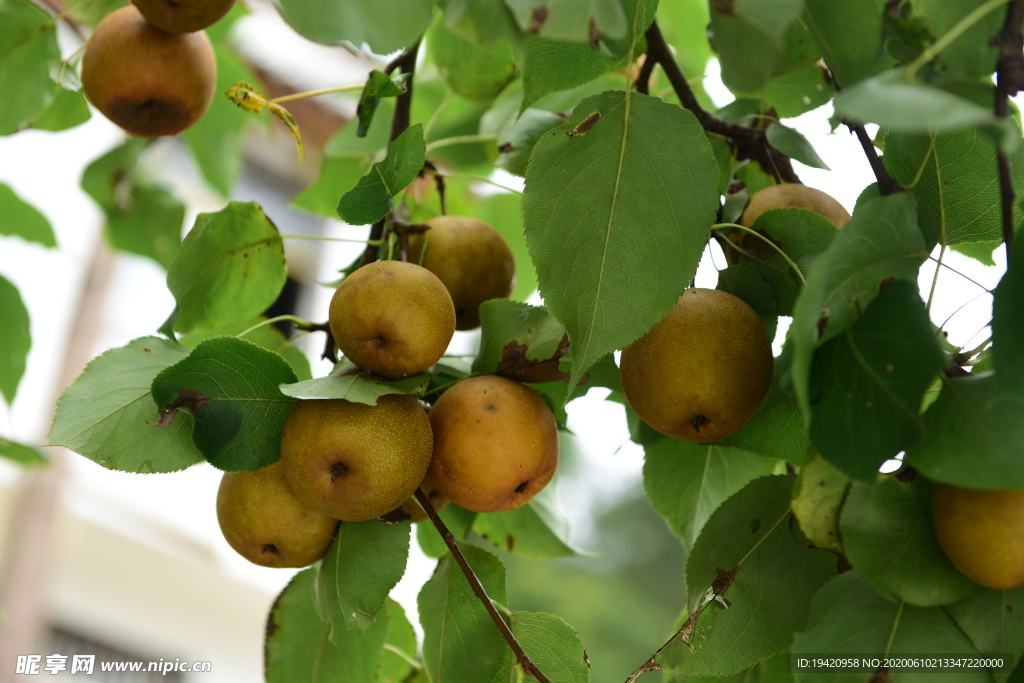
x=527, y=665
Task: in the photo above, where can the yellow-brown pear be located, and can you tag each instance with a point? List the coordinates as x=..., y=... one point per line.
x=147, y=81
x=471, y=258
x=392, y=318
x=783, y=196
x=982, y=533
x=495, y=444
x=702, y=372
x=353, y=461
x=266, y=524
x=183, y=16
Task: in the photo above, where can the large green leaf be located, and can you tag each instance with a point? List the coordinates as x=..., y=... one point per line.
x=975, y=436
x=994, y=621
x=570, y=19
x=551, y=644
x=537, y=529
x=517, y=339
x=460, y=641
x=849, y=617
x=776, y=430
x=67, y=109
x=357, y=387
x=399, y=648
x=888, y=536
x=955, y=176
x=849, y=35
x=19, y=218
x=881, y=242
x=107, y=414
x=28, y=41
x=618, y=203
x=267, y=336
x=972, y=55
x=1008, y=325
x=364, y=562
x=385, y=25
x=749, y=38
x=792, y=143
x=15, y=339
x=867, y=383
x=476, y=72
x=298, y=648
x=748, y=555
x=230, y=268
x=687, y=481
x=553, y=66
x=230, y=386
x=22, y=454
x=373, y=196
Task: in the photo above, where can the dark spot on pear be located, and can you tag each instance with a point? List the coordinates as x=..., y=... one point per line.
x=699, y=422
x=271, y=548
x=490, y=407
x=379, y=341
x=522, y=487
x=337, y=471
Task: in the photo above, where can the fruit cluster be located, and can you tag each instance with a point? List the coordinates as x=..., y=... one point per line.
x=488, y=444
x=150, y=68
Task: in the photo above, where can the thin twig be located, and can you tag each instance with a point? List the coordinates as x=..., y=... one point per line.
x=524, y=659
x=1009, y=81
x=643, y=81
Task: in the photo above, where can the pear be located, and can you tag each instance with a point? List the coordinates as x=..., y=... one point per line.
x=982, y=533
x=183, y=16
x=392, y=318
x=495, y=444
x=471, y=258
x=784, y=196
x=266, y=524
x=412, y=511
x=147, y=81
x=702, y=372
x=352, y=461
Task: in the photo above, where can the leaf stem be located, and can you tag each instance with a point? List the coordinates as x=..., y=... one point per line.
x=299, y=322
x=935, y=278
x=784, y=255
x=409, y=660
x=522, y=658
x=952, y=34
x=460, y=140
x=320, y=238
x=314, y=93
x=478, y=178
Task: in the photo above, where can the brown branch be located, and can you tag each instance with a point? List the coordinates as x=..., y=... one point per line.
x=329, y=352
x=886, y=183
x=524, y=659
x=750, y=143
x=399, y=122
x=643, y=81
x=428, y=165
x=1009, y=81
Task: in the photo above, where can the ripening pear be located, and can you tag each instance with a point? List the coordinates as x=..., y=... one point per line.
x=702, y=372
x=495, y=444
x=392, y=318
x=413, y=511
x=148, y=81
x=471, y=258
x=783, y=196
x=266, y=524
x=183, y=16
x=353, y=461
x=982, y=533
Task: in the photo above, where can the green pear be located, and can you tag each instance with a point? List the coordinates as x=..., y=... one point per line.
x=183, y=16
x=783, y=196
x=266, y=524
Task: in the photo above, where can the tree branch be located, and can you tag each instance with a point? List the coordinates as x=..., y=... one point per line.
x=886, y=183
x=399, y=122
x=524, y=659
x=750, y=143
x=1009, y=81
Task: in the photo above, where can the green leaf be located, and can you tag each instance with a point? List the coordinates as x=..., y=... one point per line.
x=385, y=25
x=747, y=284
x=880, y=242
x=848, y=34
x=570, y=19
x=972, y=55
x=268, y=336
x=616, y=214
x=798, y=92
x=792, y=143
x=476, y=72
x=148, y=223
x=537, y=529
x=458, y=520
x=15, y=339
x=1008, y=325
x=372, y=197
x=553, y=66
x=748, y=36
x=956, y=177
x=230, y=268
x=107, y=414
x=518, y=340
x=378, y=85
x=551, y=644
x=979, y=251
x=22, y=454
x=971, y=417
x=770, y=593
x=994, y=621
x=848, y=616
x=394, y=668
x=888, y=536
x=817, y=499
x=482, y=22
x=28, y=40
x=460, y=641
x=67, y=109
x=358, y=387
x=104, y=178
x=685, y=482
x=519, y=136
x=298, y=649
x=866, y=384
x=230, y=386
x=365, y=561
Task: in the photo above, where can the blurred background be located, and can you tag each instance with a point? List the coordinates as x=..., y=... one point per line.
x=133, y=567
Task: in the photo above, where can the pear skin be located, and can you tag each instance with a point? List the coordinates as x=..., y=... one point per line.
x=982, y=533
x=352, y=461
x=148, y=81
x=266, y=524
x=392, y=318
x=702, y=372
x=183, y=16
x=495, y=444
x=471, y=258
